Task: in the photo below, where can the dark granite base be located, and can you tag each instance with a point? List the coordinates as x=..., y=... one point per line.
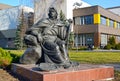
x=84, y=72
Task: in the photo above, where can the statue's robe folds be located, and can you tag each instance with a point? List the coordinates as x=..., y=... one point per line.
x=54, y=35
x=47, y=40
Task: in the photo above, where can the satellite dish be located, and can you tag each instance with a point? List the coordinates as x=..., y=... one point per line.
x=77, y=5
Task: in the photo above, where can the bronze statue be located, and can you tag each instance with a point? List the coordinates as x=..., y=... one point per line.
x=48, y=38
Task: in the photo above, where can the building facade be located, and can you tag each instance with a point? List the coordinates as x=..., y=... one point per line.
x=94, y=25
x=115, y=10
x=10, y=19
x=4, y=6
x=41, y=7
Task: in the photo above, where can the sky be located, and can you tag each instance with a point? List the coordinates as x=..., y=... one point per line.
x=18, y=2
x=103, y=3
x=10, y=2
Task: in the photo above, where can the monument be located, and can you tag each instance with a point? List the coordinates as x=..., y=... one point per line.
x=47, y=58
x=47, y=41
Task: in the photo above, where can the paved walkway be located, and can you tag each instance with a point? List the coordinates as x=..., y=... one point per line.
x=107, y=50
x=99, y=50
x=116, y=66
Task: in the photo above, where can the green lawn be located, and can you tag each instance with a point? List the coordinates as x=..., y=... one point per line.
x=89, y=57
x=95, y=57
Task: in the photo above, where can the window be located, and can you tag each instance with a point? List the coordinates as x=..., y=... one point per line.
x=103, y=20
x=84, y=39
x=118, y=25
x=86, y=20
x=103, y=39
x=111, y=23
x=118, y=38
x=77, y=20
x=89, y=39
x=83, y=20
x=89, y=19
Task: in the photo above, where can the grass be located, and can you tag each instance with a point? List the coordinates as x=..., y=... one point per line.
x=95, y=57
x=87, y=57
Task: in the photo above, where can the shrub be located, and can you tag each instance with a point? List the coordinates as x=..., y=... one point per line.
x=16, y=54
x=111, y=43
x=15, y=58
x=117, y=46
x=5, y=58
x=108, y=46
x=9, y=56
x=79, y=48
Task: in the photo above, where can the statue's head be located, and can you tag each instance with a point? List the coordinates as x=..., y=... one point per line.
x=52, y=13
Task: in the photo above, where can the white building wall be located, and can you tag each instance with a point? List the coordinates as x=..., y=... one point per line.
x=9, y=17
x=71, y=6
x=115, y=10
x=42, y=6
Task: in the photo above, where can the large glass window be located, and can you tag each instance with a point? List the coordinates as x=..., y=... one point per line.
x=111, y=23
x=77, y=20
x=118, y=38
x=118, y=24
x=103, y=20
x=89, y=19
x=89, y=39
x=84, y=39
x=83, y=20
x=103, y=39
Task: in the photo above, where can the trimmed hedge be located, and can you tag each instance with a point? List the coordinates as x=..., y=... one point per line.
x=9, y=56
x=5, y=58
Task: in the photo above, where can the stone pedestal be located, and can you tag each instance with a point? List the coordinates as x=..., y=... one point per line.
x=84, y=72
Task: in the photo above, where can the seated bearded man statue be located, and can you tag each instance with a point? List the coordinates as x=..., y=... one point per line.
x=50, y=35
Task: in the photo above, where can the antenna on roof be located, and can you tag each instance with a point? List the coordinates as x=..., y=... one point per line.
x=77, y=5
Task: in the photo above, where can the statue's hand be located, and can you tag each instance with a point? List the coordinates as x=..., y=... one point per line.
x=34, y=32
x=40, y=39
